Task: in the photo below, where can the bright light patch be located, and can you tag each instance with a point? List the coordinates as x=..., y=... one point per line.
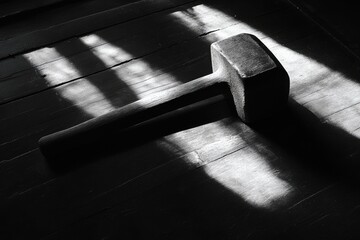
x=213, y=24
x=139, y=76
x=81, y=93
x=248, y=174
x=109, y=54
x=329, y=94
x=204, y=18
x=42, y=56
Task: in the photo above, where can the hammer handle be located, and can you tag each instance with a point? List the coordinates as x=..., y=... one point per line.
x=110, y=125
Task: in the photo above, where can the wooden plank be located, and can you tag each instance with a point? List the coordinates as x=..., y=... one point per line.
x=55, y=15
x=339, y=27
x=81, y=26
x=81, y=52
x=13, y=8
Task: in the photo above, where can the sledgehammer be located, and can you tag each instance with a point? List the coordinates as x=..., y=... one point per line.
x=258, y=83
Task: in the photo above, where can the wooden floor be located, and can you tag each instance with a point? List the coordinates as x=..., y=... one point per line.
x=195, y=173
x=336, y=19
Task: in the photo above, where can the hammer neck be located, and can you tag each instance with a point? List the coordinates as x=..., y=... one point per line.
x=214, y=78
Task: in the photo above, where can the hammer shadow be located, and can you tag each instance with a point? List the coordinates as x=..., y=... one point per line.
x=319, y=146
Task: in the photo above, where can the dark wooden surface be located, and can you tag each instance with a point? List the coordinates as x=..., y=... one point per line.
x=335, y=19
x=195, y=173
x=17, y=8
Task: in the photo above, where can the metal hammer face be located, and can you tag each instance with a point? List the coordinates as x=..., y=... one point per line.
x=258, y=82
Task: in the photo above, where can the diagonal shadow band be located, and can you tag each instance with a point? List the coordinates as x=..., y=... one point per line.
x=320, y=146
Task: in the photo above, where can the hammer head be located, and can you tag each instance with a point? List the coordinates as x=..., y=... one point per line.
x=258, y=82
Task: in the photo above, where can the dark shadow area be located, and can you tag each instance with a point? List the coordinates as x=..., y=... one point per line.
x=16, y=11
x=320, y=146
x=337, y=18
x=89, y=64
x=189, y=206
x=21, y=21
